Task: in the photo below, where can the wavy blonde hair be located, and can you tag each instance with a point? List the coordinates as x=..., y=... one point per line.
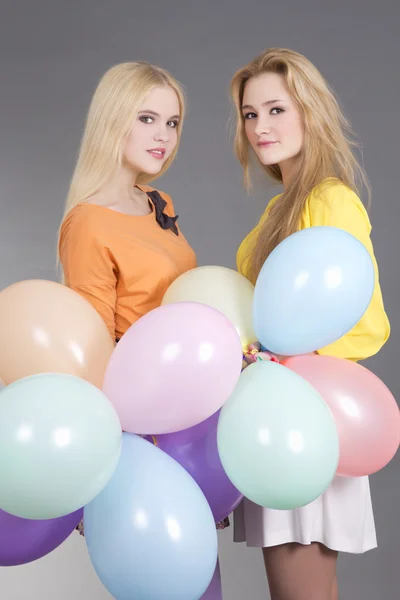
x=327, y=148
x=112, y=113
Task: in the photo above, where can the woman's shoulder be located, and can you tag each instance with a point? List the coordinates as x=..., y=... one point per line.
x=267, y=209
x=333, y=199
x=273, y=201
x=85, y=220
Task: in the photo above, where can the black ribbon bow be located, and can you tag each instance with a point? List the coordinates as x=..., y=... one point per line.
x=164, y=220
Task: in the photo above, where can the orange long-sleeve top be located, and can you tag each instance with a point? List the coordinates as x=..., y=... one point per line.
x=123, y=264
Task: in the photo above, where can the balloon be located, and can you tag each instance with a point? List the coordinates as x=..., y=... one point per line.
x=60, y=441
x=366, y=414
x=214, y=590
x=196, y=450
x=313, y=288
x=173, y=368
x=277, y=439
x=150, y=533
x=47, y=327
x=224, y=289
x=24, y=540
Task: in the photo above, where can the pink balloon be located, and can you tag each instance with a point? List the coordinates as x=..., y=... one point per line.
x=173, y=368
x=365, y=411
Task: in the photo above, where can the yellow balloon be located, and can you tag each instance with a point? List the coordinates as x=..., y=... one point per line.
x=224, y=289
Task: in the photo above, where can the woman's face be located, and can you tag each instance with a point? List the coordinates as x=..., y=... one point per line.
x=154, y=135
x=273, y=123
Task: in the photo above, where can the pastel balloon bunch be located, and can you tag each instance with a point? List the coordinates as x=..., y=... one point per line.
x=149, y=509
x=289, y=428
x=152, y=531
x=197, y=433
x=276, y=438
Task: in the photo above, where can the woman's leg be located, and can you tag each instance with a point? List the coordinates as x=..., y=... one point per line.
x=335, y=591
x=297, y=572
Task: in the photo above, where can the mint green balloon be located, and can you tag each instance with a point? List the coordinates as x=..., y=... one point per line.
x=277, y=438
x=60, y=441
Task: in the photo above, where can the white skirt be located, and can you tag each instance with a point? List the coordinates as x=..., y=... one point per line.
x=342, y=519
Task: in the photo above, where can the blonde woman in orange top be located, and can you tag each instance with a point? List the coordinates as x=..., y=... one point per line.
x=120, y=245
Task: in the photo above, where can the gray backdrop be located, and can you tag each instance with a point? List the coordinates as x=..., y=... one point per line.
x=52, y=54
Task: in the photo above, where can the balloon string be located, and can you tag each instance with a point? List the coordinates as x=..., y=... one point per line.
x=154, y=440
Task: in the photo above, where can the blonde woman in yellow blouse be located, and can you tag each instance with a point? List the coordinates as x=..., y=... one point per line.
x=289, y=121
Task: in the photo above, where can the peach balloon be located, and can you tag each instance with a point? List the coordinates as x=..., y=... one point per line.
x=47, y=327
x=366, y=413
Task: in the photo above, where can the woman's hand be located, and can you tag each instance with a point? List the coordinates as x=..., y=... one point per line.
x=254, y=354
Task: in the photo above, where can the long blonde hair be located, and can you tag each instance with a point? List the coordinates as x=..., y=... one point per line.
x=327, y=148
x=113, y=110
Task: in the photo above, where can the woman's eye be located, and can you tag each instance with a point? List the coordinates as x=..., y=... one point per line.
x=250, y=115
x=173, y=124
x=145, y=119
x=277, y=110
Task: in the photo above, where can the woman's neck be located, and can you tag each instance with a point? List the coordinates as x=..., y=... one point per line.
x=122, y=185
x=289, y=169
x=122, y=194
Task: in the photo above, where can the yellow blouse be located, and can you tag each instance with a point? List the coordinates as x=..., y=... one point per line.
x=333, y=203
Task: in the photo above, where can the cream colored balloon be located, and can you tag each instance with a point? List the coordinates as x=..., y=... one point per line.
x=47, y=327
x=224, y=289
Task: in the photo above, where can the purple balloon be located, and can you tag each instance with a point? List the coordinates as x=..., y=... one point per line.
x=25, y=540
x=196, y=450
x=214, y=590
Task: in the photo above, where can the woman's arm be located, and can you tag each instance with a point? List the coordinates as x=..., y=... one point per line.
x=87, y=264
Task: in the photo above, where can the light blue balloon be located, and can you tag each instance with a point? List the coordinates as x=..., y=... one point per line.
x=313, y=288
x=151, y=533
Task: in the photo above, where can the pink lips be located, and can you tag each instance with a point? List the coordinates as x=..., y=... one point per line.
x=157, y=152
x=266, y=144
